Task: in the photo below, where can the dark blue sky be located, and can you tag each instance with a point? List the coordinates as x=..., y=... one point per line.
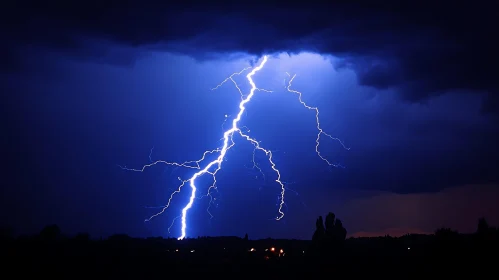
x=410, y=90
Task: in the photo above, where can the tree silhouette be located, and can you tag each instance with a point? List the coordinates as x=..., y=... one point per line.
x=320, y=231
x=486, y=235
x=333, y=228
x=341, y=231
x=483, y=226
x=328, y=235
x=50, y=232
x=330, y=226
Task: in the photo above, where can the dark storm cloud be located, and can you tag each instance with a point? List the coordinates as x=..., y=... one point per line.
x=421, y=49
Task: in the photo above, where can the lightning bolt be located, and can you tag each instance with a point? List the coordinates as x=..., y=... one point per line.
x=215, y=165
x=320, y=132
x=231, y=78
x=150, y=154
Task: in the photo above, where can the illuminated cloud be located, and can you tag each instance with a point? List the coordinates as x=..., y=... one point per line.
x=421, y=50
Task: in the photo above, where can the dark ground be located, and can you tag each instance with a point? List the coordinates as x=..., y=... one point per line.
x=446, y=254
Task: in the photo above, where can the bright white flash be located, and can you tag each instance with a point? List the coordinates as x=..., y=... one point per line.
x=214, y=166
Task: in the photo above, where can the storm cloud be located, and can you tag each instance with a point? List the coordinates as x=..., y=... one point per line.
x=419, y=49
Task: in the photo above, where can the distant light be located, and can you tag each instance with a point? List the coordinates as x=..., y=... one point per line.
x=303, y=252
x=176, y=250
x=408, y=248
x=266, y=250
x=281, y=251
x=252, y=250
x=272, y=249
x=192, y=251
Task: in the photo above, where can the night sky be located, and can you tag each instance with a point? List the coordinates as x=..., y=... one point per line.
x=88, y=86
